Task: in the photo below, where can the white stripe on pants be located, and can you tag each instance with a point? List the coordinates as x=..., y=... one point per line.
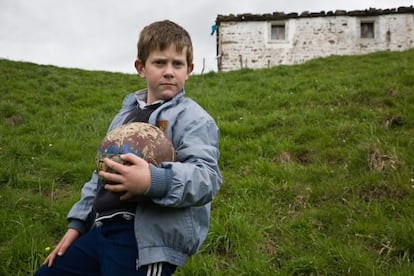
x=154, y=269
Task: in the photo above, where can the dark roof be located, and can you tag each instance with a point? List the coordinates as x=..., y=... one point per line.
x=306, y=14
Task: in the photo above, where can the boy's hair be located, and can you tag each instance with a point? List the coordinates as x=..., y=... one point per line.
x=161, y=35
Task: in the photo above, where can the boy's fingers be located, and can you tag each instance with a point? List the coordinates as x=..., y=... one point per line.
x=62, y=246
x=115, y=166
x=126, y=196
x=115, y=188
x=62, y=250
x=50, y=259
x=130, y=158
x=113, y=177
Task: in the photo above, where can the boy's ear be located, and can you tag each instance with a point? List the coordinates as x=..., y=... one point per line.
x=139, y=66
x=190, y=68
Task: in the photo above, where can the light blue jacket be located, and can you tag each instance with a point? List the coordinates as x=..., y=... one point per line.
x=175, y=224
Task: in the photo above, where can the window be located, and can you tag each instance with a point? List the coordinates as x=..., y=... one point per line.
x=367, y=30
x=278, y=31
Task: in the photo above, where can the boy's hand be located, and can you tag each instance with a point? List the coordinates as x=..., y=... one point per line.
x=70, y=236
x=133, y=179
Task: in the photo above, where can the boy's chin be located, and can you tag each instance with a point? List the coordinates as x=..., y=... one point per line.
x=168, y=94
x=164, y=95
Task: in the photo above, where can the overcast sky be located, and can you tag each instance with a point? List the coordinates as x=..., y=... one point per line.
x=102, y=34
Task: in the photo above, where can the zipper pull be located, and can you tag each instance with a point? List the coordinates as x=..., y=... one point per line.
x=137, y=264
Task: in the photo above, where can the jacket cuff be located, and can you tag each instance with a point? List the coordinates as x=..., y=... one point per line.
x=160, y=179
x=78, y=224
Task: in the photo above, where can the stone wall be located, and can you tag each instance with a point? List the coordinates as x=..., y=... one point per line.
x=244, y=41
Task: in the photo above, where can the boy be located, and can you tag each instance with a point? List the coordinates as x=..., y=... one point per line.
x=107, y=236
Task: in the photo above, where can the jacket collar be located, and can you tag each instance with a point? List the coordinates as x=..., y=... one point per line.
x=141, y=95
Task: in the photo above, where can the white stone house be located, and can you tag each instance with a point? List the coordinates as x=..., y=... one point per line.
x=261, y=41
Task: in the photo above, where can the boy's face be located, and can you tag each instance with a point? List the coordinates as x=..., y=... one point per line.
x=165, y=72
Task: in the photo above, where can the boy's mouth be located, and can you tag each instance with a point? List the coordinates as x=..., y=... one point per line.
x=167, y=84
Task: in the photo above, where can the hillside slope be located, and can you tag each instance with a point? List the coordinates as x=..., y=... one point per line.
x=317, y=161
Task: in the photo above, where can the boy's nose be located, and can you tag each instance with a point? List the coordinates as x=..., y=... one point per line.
x=169, y=71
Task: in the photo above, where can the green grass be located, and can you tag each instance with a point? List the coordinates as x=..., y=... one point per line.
x=317, y=161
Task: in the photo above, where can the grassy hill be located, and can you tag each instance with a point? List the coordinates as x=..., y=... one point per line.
x=317, y=161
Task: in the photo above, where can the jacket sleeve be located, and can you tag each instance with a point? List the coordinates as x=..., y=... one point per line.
x=81, y=215
x=194, y=178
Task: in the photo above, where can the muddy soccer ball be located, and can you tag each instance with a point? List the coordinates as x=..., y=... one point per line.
x=142, y=139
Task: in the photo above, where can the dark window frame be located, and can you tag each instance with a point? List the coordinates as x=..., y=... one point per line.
x=367, y=29
x=278, y=31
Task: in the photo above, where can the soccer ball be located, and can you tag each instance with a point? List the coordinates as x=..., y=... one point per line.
x=142, y=139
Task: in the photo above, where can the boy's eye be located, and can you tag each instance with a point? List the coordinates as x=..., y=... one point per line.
x=178, y=64
x=160, y=62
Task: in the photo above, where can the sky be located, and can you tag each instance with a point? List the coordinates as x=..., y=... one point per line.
x=102, y=34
